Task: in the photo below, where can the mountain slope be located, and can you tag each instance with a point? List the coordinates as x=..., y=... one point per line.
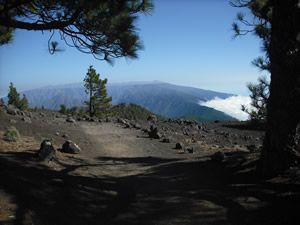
x=160, y=98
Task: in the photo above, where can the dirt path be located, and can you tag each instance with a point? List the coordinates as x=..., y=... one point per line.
x=156, y=184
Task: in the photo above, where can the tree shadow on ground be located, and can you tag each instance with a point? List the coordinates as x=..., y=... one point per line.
x=169, y=192
x=247, y=126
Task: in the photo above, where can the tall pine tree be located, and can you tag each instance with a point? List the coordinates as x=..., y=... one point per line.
x=13, y=95
x=276, y=22
x=14, y=98
x=96, y=89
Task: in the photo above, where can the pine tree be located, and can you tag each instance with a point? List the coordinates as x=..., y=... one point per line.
x=13, y=95
x=276, y=22
x=96, y=89
x=102, y=101
x=259, y=97
x=23, y=103
x=63, y=109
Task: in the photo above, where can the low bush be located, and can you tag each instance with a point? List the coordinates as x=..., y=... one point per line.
x=12, y=134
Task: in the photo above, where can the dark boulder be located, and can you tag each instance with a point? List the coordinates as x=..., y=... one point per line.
x=189, y=149
x=154, y=133
x=166, y=140
x=47, y=151
x=179, y=146
x=70, y=147
x=218, y=157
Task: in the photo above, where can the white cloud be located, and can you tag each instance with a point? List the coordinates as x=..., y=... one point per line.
x=230, y=106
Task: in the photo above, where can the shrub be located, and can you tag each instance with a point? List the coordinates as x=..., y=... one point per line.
x=12, y=134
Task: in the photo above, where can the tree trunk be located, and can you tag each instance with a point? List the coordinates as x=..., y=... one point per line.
x=281, y=145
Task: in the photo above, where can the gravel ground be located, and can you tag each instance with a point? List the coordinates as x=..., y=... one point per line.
x=122, y=176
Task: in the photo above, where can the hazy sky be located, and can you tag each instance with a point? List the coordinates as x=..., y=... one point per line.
x=186, y=43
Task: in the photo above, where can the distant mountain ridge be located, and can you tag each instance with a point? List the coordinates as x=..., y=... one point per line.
x=160, y=98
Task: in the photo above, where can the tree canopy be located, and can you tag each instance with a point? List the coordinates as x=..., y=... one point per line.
x=106, y=29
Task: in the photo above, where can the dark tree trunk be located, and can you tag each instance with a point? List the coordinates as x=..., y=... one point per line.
x=281, y=145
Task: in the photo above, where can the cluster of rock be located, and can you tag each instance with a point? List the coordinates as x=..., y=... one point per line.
x=219, y=135
x=47, y=152
x=12, y=110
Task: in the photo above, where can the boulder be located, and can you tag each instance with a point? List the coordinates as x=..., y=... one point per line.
x=70, y=147
x=166, y=140
x=136, y=125
x=189, y=149
x=218, y=157
x=11, y=110
x=13, y=121
x=179, y=145
x=152, y=118
x=154, y=133
x=71, y=120
x=42, y=114
x=47, y=151
x=26, y=119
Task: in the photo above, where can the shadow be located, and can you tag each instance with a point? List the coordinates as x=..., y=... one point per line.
x=172, y=191
x=142, y=161
x=246, y=126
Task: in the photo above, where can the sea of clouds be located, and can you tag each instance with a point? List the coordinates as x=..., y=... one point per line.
x=230, y=106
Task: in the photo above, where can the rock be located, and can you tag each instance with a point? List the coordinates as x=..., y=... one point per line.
x=13, y=121
x=253, y=148
x=28, y=114
x=26, y=119
x=154, y=133
x=152, y=118
x=65, y=136
x=70, y=147
x=11, y=110
x=179, y=145
x=189, y=149
x=124, y=122
x=218, y=157
x=42, y=114
x=47, y=151
x=166, y=140
x=71, y=120
x=136, y=125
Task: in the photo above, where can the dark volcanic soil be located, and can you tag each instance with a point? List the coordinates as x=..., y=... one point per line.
x=124, y=177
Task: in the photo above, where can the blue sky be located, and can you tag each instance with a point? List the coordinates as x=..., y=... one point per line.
x=186, y=43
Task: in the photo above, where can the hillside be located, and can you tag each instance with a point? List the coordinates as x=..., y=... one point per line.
x=160, y=98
